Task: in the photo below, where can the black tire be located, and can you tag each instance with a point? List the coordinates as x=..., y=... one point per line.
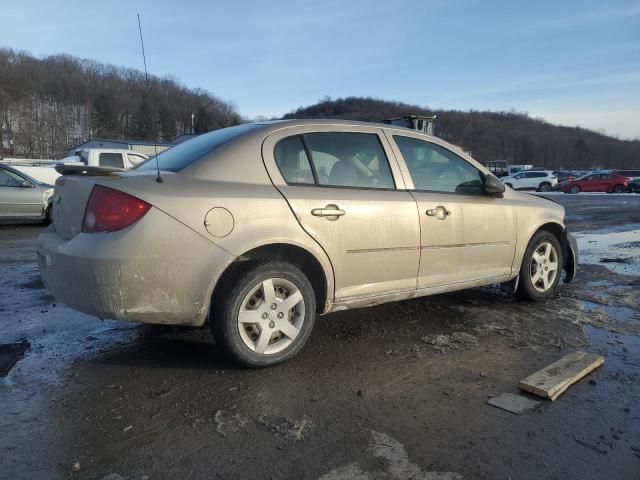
x=575, y=189
x=544, y=187
x=225, y=308
x=509, y=185
x=526, y=290
x=619, y=189
x=47, y=215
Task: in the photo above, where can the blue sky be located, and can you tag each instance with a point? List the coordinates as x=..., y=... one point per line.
x=570, y=62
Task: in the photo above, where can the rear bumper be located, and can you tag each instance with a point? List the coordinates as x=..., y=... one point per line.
x=156, y=271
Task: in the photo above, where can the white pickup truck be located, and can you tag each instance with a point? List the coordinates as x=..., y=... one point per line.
x=106, y=157
x=91, y=157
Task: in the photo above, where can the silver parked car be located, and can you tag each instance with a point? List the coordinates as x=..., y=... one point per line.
x=260, y=227
x=22, y=196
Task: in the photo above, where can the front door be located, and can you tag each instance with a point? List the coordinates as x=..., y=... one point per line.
x=342, y=188
x=16, y=198
x=465, y=235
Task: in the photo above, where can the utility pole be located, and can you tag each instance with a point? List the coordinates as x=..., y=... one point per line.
x=192, y=117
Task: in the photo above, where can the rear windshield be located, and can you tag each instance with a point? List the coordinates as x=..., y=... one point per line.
x=182, y=155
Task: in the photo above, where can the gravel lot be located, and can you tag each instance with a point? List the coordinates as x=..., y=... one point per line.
x=376, y=394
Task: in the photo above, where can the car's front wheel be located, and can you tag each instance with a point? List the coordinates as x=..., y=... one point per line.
x=619, y=189
x=265, y=316
x=541, y=267
x=575, y=189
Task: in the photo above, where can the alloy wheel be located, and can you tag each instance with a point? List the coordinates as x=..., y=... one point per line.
x=271, y=316
x=544, y=267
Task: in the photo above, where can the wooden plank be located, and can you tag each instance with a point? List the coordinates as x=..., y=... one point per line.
x=552, y=381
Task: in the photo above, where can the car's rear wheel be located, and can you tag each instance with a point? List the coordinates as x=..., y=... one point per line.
x=619, y=189
x=575, y=189
x=509, y=185
x=266, y=315
x=544, y=187
x=541, y=267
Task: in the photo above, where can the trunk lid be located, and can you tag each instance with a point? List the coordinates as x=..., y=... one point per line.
x=69, y=201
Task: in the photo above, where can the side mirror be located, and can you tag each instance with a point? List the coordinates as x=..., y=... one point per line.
x=26, y=184
x=493, y=186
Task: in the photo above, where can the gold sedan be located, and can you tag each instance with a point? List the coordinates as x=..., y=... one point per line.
x=260, y=227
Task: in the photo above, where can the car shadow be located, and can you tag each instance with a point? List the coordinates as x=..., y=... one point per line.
x=159, y=352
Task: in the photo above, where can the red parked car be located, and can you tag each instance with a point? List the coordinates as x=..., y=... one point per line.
x=597, y=182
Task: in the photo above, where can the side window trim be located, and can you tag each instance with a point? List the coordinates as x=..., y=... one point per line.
x=316, y=183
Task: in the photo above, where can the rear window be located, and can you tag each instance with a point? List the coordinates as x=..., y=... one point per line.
x=181, y=156
x=111, y=160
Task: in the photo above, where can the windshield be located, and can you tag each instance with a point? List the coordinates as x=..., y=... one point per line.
x=183, y=155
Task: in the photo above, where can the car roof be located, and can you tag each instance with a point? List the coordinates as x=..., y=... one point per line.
x=274, y=125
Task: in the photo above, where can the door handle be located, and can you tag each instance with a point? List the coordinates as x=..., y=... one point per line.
x=330, y=212
x=439, y=212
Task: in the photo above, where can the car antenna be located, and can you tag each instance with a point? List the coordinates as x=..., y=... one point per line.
x=153, y=123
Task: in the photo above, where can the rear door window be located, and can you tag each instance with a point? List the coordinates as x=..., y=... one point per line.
x=334, y=159
x=346, y=159
x=435, y=169
x=111, y=159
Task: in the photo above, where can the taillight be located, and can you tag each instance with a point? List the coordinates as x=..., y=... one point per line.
x=109, y=210
x=60, y=181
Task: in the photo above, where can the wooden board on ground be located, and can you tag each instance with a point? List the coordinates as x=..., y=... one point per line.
x=551, y=381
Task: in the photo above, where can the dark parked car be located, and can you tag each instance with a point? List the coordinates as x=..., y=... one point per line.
x=563, y=175
x=597, y=182
x=634, y=179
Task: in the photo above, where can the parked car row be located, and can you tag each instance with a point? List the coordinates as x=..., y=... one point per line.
x=609, y=181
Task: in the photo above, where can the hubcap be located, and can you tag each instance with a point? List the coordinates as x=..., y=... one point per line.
x=544, y=267
x=271, y=316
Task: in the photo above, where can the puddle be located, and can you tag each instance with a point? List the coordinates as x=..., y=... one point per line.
x=620, y=350
x=615, y=313
x=619, y=251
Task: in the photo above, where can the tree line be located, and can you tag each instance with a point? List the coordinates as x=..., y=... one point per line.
x=49, y=104
x=510, y=136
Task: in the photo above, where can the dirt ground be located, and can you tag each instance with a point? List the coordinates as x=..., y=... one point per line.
x=397, y=391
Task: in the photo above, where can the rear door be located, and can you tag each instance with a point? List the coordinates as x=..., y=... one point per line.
x=465, y=235
x=350, y=198
x=16, y=198
x=607, y=182
x=528, y=180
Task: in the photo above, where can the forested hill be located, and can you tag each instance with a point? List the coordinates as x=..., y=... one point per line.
x=48, y=104
x=511, y=136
